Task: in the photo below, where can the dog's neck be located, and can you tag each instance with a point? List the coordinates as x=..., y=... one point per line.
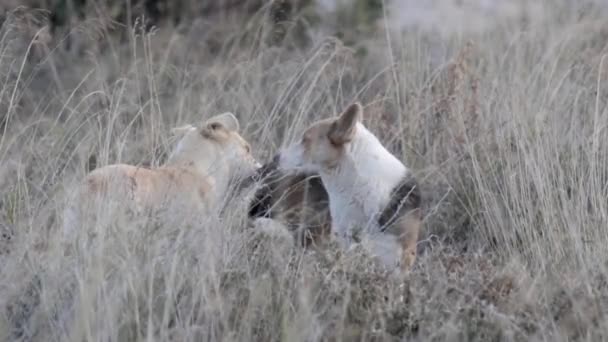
x=360, y=185
x=212, y=166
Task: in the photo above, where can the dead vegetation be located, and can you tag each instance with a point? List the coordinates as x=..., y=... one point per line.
x=506, y=130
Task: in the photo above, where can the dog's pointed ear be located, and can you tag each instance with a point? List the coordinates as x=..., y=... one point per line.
x=343, y=129
x=180, y=131
x=223, y=121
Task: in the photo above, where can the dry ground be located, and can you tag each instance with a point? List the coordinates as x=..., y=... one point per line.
x=505, y=126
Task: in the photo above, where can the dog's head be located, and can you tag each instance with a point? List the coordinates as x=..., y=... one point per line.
x=217, y=141
x=323, y=144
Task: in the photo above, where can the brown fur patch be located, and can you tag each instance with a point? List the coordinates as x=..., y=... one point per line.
x=408, y=229
x=405, y=197
x=402, y=216
x=318, y=136
x=299, y=201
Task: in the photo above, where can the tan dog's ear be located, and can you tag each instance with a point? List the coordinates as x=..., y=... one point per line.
x=343, y=129
x=225, y=120
x=180, y=131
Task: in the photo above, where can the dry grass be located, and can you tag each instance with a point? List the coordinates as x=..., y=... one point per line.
x=506, y=129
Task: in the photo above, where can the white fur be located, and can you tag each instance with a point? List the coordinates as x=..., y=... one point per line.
x=359, y=188
x=292, y=158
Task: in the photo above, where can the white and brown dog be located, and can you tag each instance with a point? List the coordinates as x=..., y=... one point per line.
x=373, y=197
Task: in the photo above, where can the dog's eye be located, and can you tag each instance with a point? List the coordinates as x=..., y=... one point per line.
x=247, y=148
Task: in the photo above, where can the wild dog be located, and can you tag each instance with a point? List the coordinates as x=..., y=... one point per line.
x=195, y=178
x=373, y=197
x=299, y=201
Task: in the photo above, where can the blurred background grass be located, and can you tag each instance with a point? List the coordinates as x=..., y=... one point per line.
x=499, y=107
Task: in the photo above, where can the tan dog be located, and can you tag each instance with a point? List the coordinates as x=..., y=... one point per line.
x=373, y=197
x=195, y=178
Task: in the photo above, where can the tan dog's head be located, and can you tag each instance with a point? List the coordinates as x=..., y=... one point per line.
x=323, y=144
x=216, y=146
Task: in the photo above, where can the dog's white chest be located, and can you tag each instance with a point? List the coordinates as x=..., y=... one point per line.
x=353, y=212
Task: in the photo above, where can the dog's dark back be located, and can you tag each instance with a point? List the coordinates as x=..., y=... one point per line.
x=299, y=201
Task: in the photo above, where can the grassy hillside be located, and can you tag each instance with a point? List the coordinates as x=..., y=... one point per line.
x=503, y=119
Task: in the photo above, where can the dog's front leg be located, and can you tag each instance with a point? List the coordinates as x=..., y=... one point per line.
x=409, y=226
x=343, y=240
